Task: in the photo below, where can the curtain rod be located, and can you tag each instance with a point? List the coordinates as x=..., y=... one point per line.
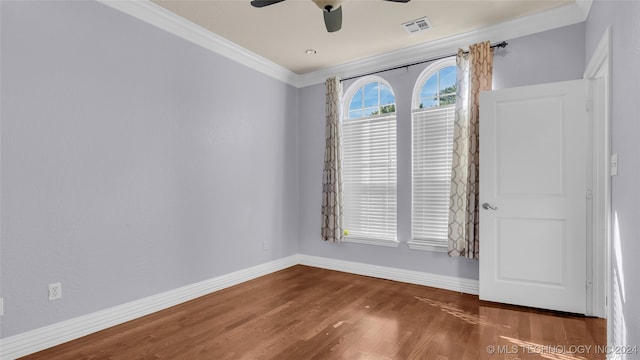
x=502, y=44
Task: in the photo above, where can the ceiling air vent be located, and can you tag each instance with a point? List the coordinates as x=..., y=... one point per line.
x=414, y=26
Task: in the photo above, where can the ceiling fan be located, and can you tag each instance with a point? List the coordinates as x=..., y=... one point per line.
x=332, y=10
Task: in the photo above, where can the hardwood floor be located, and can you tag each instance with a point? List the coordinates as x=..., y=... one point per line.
x=309, y=313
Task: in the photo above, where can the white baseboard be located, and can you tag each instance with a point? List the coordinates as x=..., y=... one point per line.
x=56, y=334
x=467, y=286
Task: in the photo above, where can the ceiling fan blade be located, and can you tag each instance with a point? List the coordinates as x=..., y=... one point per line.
x=263, y=3
x=400, y=1
x=333, y=19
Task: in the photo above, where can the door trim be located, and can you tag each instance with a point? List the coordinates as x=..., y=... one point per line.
x=599, y=241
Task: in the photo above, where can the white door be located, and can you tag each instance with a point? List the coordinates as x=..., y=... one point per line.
x=533, y=155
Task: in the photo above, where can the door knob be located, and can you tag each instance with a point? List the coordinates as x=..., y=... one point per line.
x=488, y=206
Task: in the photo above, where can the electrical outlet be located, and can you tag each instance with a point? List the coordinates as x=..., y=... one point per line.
x=265, y=245
x=55, y=291
x=1, y=306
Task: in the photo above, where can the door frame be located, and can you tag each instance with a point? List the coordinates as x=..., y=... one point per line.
x=599, y=73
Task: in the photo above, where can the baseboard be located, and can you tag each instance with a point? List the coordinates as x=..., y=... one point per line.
x=467, y=286
x=56, y=334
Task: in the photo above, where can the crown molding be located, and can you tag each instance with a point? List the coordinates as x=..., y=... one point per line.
x=162, y=18
x=585, y=7
x=156, y=15
x=551, y=19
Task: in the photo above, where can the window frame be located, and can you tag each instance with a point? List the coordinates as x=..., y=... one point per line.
x=347, y=97
x=435, y=245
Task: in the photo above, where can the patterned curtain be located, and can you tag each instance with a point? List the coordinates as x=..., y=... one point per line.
x=332, y=217
x=474, y=72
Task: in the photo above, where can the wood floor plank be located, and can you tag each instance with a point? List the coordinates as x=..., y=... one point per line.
x=309, y=313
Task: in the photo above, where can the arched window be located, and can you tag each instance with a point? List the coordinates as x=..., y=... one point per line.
x=432, y=117
x=369, y=162
x=437, y=86
x=370, y=99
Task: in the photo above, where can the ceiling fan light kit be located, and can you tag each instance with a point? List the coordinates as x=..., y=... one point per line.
x=331, y=9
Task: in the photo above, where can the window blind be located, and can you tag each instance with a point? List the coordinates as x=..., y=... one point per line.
x=369, y=177
x=432, y=141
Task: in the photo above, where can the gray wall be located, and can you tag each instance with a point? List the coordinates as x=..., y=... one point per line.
x=555, y=55
x=624, y=17
x=133, y=162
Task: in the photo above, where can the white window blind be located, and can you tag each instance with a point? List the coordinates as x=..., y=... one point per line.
x=431, y=175
x=369, y=177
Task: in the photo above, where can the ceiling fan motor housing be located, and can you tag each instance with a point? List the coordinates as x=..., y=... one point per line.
x=328, y=5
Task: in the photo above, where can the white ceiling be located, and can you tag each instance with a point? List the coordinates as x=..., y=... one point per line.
x=282, y=32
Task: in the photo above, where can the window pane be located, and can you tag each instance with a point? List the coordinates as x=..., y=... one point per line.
x=355, y=114
x=371, y=94
x=371, y=111
x=387, y=109
x=428, y=102
x=447, y=79
x=429, y=89
x=447, y=100
x=386, y=97
x=356, y=100
x=432, y=140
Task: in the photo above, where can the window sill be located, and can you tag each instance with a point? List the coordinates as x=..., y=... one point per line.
x=435, y=246
x=377, y=242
